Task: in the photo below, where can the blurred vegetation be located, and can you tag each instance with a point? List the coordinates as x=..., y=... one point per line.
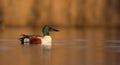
x=77, y=13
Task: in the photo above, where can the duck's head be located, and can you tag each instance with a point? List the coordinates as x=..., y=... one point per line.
x=46, y=29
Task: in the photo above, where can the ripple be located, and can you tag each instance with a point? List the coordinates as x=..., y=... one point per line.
x=81, y=47
x=7, y=40
x=112, y=46
x=4, y=47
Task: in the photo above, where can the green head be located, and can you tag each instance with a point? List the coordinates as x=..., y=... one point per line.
x=46, y=29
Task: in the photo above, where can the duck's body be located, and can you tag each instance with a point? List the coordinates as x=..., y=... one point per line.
x=44, y=40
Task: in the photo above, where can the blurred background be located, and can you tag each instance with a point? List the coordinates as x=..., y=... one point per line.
x=89, y=31
x=72, y=13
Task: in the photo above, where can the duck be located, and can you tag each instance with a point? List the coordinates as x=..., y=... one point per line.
x=45, y=40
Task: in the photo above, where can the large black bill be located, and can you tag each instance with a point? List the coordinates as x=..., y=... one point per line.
x=52, y=29
x=55, y=30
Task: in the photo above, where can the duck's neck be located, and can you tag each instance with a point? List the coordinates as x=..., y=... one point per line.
x=46, y=33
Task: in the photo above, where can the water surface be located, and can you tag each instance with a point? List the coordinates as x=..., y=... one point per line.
x=70, y=47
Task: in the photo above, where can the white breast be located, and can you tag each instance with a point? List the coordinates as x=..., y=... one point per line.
x=47, y=41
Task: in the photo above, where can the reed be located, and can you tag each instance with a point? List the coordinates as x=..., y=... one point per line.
x=81, y=13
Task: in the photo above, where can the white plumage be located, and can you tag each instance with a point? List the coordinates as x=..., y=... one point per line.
x=46, y=41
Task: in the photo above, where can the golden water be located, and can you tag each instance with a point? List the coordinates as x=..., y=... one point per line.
x=70, y=47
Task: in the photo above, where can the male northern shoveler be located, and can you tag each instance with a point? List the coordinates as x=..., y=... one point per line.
x=45, y=40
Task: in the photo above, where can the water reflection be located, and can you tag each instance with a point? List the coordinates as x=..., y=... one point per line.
x=70, y=47
x=47, y=57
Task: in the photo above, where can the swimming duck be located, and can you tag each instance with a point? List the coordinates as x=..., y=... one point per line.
x=44, y=40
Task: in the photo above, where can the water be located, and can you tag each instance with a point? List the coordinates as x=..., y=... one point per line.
x=70, y=47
